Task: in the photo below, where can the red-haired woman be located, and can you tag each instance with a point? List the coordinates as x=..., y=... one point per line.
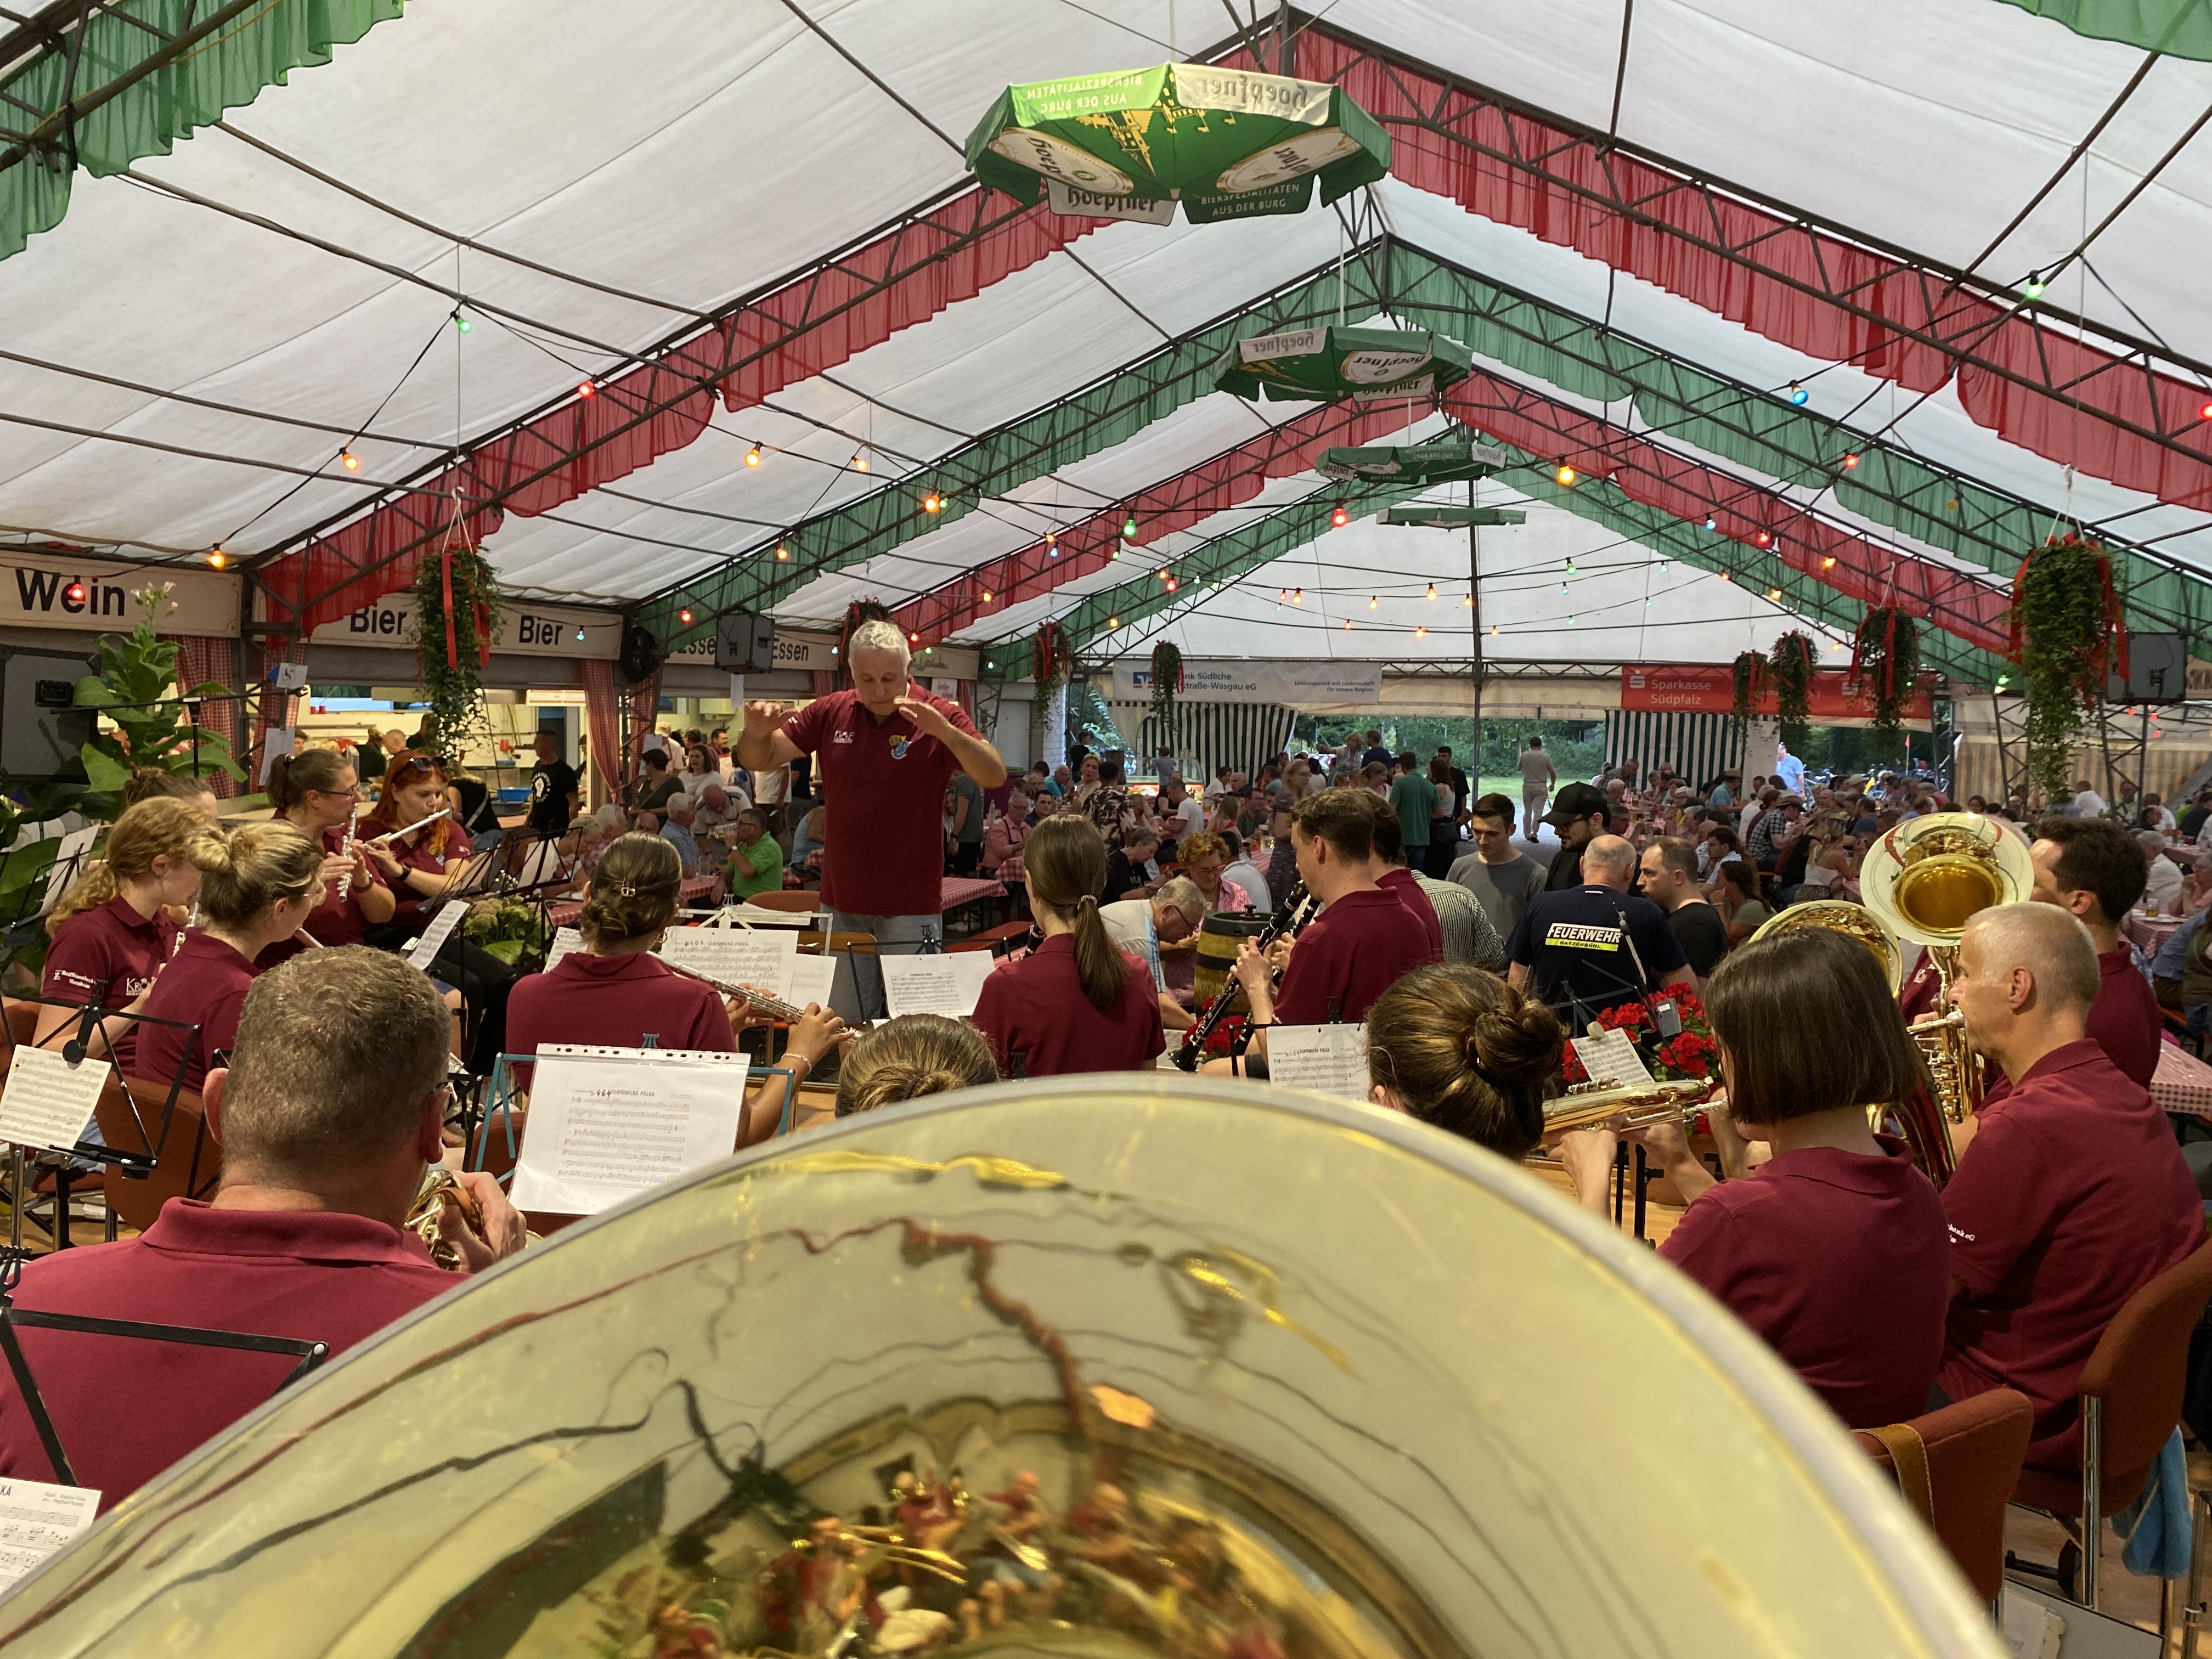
x=421, y=867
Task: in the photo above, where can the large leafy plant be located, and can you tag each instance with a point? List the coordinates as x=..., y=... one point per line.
x=1791, y=671
x=1885, y=657
x=154, y=724
x=2067, y=637
x=457, y=599
x=1747, y=677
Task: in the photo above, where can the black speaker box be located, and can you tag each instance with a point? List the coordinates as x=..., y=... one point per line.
x=744, y=643
x=40, y=729
x=2158, y=671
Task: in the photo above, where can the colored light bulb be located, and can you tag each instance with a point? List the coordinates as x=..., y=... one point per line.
x=1340, y=518
x=1798, y=394
x=753, y=455
x=1565, y=475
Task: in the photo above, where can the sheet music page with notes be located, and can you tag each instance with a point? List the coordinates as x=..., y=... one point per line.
x=811, y=978
x=36, y=1519
x=606, y=1124
x=737, y=956
x=1608, y=1056
x=936, y=984
x=450, y=916
x=1330, y=1059
x=565, y=939
x=47, y=1102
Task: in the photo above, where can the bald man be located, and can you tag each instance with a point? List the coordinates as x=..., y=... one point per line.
x=1595, y=946
x=2072, y=1195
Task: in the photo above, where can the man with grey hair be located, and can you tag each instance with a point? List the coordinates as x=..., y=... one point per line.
x=884, y=752
x=718, y=809
x=1596, y=947
x=2072, y=1195
x=2162, y=883
x=330, y=1111
x=1138, y=926
x=677, y=832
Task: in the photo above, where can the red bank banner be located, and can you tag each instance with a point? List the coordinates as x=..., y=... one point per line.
x=1711, y=691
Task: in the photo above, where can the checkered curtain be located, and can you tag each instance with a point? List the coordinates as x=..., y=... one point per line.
x=202, y=658
x=644, y=712
x=603, y=721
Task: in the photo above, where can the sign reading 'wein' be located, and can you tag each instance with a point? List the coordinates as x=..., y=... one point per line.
x=1703, y=690
x=94, y=595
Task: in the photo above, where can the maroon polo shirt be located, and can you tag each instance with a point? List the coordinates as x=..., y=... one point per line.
x=1838, y=1261
x=614, y=1002
x=1355, y=949
x=111, y=943
x=883, y=785
x=206, y=985
x=408, y=903
x=330, y=921
x=1399, y=884
x=125, y=1409
x=1035, y=1008
x=2070, y=1198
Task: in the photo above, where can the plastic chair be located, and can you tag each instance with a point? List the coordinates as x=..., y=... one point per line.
x=2131, y=1391
x=1969, y=1463
x=187, y=1160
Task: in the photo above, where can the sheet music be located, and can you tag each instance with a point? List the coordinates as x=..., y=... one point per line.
x=36, y=1519
x=607, y=1123
x=1607, y=1055
x=436, y=935
x=811, y=980
x=1330, y=1059
x=936, y=984
x=47, y=1102
x=69, y=863
x=565, y=939
x=735, y=957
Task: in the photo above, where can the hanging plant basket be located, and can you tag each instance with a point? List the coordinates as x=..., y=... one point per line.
x=1792, y=676
x=1048, y=657
x=1747, y=675
x=2068, y=637
x=1167, y=683
x=1885, y=657
x=860, y=610
x=457, y=596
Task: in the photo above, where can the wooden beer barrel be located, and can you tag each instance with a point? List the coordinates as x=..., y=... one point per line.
x=1219, y=937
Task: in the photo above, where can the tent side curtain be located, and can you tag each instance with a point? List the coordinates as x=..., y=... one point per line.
x=1208, y=736
x=1698, y=747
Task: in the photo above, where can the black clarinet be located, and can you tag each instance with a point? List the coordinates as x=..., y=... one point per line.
x=1286, y=919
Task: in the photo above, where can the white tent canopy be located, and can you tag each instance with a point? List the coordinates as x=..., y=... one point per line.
x=690, y=153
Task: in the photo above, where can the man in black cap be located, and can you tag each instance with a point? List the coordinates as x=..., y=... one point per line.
x=1578, y=811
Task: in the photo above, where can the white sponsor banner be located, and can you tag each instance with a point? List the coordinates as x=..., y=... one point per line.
x=1294, y=683
x=59, y=591
x=525, y=629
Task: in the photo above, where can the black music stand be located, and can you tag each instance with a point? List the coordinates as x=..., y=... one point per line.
x=12, y=1318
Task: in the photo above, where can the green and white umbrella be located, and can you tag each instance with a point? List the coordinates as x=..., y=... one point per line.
x=1427, y=517
x=1367, y=364
x=1227, y=143
x=1437, y=463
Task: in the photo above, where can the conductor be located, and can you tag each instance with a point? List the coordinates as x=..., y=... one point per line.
x=883, y=751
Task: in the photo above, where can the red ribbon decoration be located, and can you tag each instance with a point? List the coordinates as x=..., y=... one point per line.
x=446, y=575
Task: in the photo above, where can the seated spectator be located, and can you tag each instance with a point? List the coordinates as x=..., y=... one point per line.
x=1737, y=896
x=807, y=839
x=1004, y=835
x=907, y=1058
x=677, y=832
x=1243, y=872
x=1456, y=1046
x=331, y=1110
x=756, y=861
x=1132, y=868
x=1141, y=924
x=717, y=810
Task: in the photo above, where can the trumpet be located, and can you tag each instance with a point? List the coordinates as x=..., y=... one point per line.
x=1634, y=1105
x=440, y=1192
x=774, y=1007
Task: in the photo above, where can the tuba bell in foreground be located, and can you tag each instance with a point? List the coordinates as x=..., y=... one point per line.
x=1219, y=1369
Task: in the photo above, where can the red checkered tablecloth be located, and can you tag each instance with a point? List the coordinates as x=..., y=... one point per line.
x=967, y=889
x=564, y=915
x=2182, y=1083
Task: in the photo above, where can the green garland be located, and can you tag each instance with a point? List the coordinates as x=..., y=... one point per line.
x=1792, y=667
x=455, y=643
x=1048, y=657
x=1745, y=674
x=2067, y=638
x=1885, y=657
x=1167, y=680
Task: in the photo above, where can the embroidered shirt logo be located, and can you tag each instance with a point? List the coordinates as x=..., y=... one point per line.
x=842, y=736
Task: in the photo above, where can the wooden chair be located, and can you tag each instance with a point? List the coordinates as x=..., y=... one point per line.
x=797, y=903
x=187, y=1160
x=1959, y=1466
x=2131, y=1391
x=23, y=1020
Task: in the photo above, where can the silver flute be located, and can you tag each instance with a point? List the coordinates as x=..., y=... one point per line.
x=774, y=1007
x=345, y=852
x=419, y=823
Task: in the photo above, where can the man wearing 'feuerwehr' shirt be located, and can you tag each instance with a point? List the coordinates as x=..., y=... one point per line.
x=1595, y=946
x=884, y=750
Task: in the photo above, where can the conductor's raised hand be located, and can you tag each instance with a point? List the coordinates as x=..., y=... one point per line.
x=763, y=719
x=927, y=718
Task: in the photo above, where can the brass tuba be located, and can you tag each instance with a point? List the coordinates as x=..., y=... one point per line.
x=1926, y=880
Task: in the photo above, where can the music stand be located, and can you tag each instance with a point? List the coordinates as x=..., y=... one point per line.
x=310, y=1354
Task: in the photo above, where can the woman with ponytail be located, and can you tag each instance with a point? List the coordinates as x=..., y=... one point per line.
x=114, y=931
x=1460, y=1049
x=615, y=992
x=316, y=793
x=1078, y=1002
x=259, y=883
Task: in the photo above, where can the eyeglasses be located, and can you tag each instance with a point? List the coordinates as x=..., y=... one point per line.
x=353, y=793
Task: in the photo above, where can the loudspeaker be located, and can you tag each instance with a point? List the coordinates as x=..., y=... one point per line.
x=2158, y=671
x=744, y=643
x=40, y=730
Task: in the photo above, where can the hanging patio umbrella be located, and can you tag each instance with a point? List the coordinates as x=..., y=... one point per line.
x=1453, y=518
x=1436, y=462
x=1367, y=364
x=1227, y=143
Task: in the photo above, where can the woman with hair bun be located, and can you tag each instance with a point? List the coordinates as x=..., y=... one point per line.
x=1461, y=1049
x=258, y=884
x=1078, y=1002
x=615, y=992
x=316, y=793
x=113, y=930
x=907, y=1058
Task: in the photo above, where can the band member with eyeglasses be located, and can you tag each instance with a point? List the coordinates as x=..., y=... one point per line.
x=1833, y=1251
x=329, y=1115
x=884, y=750
x=316, y=792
